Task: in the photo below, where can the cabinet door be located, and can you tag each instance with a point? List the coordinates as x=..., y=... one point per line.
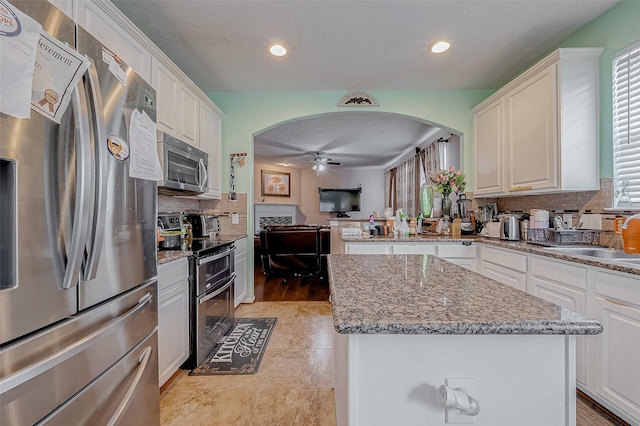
x=617, y=308
x=240, y=288
x=189, y=116
x=173, y=330
x=64, y=5
x=488, y=127
x=166, y=85
x=564, y=285
x=116, y=32
x=532, y=133
x=210, y=142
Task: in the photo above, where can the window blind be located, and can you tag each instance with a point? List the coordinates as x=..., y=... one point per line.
x=626, y=126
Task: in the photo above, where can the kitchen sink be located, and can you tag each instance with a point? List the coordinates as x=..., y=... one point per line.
x=601, y=253
x=634, y=261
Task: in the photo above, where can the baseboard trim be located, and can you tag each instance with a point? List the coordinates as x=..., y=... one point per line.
x=614, y=418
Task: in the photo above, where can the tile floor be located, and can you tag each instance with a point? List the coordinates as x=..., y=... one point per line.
x=292, y=386
x=293, y=383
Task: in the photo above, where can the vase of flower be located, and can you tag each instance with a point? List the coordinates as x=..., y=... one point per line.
x=448, y=181
x=446, y=204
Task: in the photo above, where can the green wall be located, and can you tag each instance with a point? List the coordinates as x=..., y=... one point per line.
x=247, y=114
x=614, y=30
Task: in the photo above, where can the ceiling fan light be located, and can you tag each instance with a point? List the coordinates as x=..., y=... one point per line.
x=320, y=167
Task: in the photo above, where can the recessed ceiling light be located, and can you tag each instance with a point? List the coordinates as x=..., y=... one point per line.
x=277, y=50
x=439, y=46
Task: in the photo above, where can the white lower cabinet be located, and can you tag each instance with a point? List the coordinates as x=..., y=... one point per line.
x=173, y=317
x=459, y=253
x=367, y=248
x=616, y=305
x=240, y=287
x=565, y=285
x=504, y=266
x=417, y=248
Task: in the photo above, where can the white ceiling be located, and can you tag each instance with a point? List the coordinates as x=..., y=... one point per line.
x=354, y=45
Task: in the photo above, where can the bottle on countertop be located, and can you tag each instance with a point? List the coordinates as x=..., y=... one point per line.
x=456, y=228
x=404, y=227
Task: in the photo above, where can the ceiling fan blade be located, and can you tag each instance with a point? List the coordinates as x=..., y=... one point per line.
x=333, y=163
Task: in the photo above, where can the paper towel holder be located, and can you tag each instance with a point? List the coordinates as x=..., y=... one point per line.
x=458, y=399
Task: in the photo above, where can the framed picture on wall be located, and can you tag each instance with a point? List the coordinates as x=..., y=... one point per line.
x=276, y=184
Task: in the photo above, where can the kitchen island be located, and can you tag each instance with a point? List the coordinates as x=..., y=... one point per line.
x=406, y=323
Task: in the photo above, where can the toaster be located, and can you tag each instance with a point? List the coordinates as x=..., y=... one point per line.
x=491, y=230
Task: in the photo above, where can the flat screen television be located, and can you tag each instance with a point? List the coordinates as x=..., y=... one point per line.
x=340, y=200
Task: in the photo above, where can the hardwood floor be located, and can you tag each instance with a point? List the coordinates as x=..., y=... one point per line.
x=290, y=289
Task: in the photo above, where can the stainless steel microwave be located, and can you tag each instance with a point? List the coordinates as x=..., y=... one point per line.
x=184, y=166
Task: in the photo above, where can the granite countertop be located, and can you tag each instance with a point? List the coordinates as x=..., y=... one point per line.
x=513, y=245
x=165, y=256
x=423, y=294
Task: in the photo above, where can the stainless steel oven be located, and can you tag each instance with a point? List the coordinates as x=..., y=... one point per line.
x=214, y=279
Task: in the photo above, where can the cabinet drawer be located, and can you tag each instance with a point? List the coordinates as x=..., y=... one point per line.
x=414, y=249
x=171, y=273
x=456, y=250
x=621, y=287
x=505, y=258
x=559, y=272
x=367, y=248
x=515, y=279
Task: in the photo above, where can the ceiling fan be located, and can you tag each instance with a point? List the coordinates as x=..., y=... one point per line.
x=319, y=163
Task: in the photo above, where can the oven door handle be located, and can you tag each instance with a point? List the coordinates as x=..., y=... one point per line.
x=219, y=291
x=216, y=256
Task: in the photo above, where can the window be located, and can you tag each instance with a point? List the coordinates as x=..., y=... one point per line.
x=626, y=126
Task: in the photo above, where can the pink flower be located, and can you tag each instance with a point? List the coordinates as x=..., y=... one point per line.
x=451, y=169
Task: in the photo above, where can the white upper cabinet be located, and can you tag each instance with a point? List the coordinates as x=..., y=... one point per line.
x=188, y=115
x=167, y=91
x=64, y=5
x=531, y=133
x=116, y=32
x=539, y=133
x=210, y=142
x=177, y=105
x=488, y=126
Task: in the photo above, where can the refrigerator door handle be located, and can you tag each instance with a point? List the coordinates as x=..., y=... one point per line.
x=142, y=366
x=97, y=225
x=28, y=373
x=81, y=212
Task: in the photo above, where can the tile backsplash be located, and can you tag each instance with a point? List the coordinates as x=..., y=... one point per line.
x=224, y=208
x=575, y=203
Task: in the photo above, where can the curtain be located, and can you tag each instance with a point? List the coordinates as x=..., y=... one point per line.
x=390, y=188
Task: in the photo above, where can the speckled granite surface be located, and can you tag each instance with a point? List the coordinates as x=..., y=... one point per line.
x=423, y=294
x=166, y=256
x=513, y=245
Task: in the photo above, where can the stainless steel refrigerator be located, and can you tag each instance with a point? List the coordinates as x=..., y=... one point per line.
x=78, y=289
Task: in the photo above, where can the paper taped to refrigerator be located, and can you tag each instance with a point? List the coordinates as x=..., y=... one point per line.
x=19, y=35
x=58, y=69
x=143, y=159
